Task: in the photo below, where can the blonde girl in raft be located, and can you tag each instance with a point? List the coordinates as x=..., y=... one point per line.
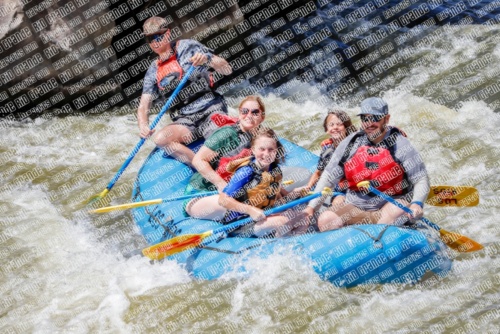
x=254, y=186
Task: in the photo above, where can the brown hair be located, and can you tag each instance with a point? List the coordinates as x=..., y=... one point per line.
x=344, y=118
x=257, y=99
x=269, y=133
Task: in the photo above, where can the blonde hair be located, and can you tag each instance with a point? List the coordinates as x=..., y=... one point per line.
x=254, y=98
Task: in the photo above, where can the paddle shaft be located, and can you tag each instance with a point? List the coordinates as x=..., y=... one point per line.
x=184, y=242
x=151, y=127
x=151, y=202
x=246, y=221
x=401, y=206
x=206, y=194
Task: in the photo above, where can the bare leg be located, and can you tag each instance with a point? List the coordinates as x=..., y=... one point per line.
x=269, y=225
x=389, y=212
x=172, y=139
x=338, y=202
x=329, y=220
x=206, y=208
x=347, y=214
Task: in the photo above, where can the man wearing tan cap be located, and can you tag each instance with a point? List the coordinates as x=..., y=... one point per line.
x=381, y=154
x=195, y=104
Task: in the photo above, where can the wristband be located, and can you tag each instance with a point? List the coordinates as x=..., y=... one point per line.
x=419, y=203
x=209, y=58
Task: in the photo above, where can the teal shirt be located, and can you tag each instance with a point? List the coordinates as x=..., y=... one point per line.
x=222, y=141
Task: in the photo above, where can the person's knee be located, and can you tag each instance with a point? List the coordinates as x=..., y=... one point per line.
x=201, y=210
x=173, y=135
x=325, y=216
x=328, y=221
x=187, y=138
x=164, y=137
x=324, y=226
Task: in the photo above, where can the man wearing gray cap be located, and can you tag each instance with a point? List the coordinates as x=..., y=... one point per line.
x=196, y=103
x=381, y=154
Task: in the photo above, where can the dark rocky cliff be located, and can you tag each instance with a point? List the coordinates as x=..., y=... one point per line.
x=88, y=55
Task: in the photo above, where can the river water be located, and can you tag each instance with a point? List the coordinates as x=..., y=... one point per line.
x=66, y=271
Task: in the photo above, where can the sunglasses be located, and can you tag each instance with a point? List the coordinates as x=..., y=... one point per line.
x=155, y=38
x=254, y=112
x=371, y=118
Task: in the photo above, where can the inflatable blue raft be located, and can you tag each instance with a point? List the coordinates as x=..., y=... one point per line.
x=350, y=256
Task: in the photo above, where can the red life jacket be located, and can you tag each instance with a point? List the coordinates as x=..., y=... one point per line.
x=220, y=120
x=327, y=142
x=202, y=82
x=377, y=164
x=238, y=153
x=169, y=68
x=226, y=162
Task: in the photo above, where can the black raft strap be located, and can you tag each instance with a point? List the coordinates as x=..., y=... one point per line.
x=227, y=251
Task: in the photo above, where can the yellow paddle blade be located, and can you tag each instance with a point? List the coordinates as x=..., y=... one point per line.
x=127, y=206
x=175, y=245
x=459, y=242
x=453, y=196
x=97, y=197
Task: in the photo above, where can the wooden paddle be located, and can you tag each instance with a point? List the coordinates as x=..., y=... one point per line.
x=453, y=240
x=188, y=241
x=453, y=196
x=152, y=202
x=132, y=154
x=438, y=196
x=161, y=200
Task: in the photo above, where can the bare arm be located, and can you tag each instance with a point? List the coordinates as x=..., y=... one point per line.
x=217, y=63
x=142, y=115
x=331, y=176
x=201, y=162
x=314, y=178
x=220, y=65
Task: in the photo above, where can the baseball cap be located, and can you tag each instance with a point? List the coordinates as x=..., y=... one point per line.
x=374, y=106
x=154, y=25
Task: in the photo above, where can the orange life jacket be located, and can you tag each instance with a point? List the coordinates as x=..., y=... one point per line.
x=263, y=188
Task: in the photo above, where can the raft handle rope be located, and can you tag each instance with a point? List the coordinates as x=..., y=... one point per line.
x=169, y=220
x=378, y=240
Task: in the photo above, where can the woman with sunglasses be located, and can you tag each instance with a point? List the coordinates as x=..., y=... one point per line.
x=381, y=154
x=197, y=102
x=228, y=143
